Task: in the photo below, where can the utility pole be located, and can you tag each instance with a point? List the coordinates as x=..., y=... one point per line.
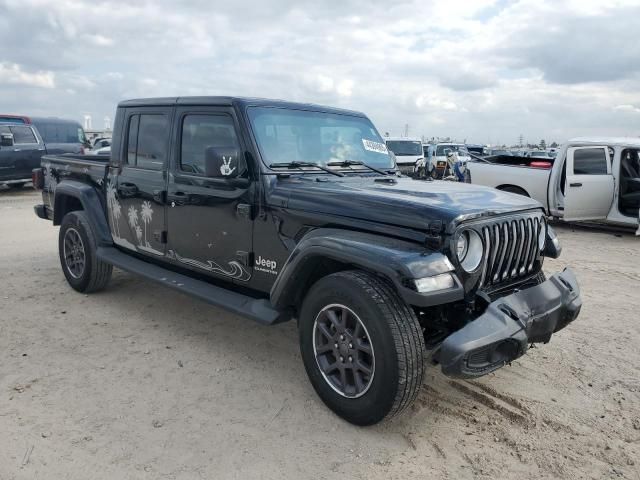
x=520, y=140
x=406, y=129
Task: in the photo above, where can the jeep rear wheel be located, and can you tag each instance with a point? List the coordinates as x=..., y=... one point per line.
x=362, y=347
x=77, y=248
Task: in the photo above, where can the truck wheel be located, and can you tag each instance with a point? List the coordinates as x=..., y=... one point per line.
x=77, y=248
x=362, y=347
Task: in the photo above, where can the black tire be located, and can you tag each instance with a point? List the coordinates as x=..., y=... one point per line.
x=17, y=185
x=94, y=274
x=398, y=349
x=514, y=189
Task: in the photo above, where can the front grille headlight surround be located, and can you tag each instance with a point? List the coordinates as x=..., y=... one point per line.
x=469, y=250
x=542, y=235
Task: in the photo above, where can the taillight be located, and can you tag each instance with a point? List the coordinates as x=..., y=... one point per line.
x=37, y=178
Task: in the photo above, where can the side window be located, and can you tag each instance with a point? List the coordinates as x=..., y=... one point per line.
x=152, y=142
x=132, y=140
x=589, y=161
x=200, y=132
x=23, y=135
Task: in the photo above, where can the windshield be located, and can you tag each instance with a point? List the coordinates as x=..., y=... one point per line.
x=405, y=147
x=442, y=150
x=286, y=135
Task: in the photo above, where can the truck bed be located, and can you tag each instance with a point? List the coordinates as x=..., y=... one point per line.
x=496, y=174
x=89, y=169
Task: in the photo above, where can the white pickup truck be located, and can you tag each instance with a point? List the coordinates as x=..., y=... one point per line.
x=591, y=179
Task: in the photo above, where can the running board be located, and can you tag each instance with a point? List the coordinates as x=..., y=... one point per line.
x=256, y=309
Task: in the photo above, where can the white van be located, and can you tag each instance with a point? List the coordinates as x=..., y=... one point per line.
x=407, y=151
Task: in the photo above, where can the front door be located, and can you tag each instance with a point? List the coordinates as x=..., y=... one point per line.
x=209, y=219
x=136, y=192
x=589, y=187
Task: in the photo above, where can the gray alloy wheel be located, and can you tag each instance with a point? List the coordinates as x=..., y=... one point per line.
x=343, y=351
x=74, y=254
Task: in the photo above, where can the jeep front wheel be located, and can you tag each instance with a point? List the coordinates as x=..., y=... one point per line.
x=362, y=347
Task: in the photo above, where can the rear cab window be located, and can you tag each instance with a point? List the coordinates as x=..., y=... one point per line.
x=147, y=141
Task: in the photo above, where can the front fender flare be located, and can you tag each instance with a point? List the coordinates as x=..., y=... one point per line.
x=397, y=260
x=90, y=200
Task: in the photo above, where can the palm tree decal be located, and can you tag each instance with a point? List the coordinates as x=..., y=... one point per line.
x=117, y=213
x=113, y=205
x=147, y=214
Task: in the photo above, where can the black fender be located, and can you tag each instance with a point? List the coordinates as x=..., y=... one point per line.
x=397, y=260
x=89, y=198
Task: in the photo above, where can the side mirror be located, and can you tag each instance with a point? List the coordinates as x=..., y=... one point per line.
x=6, y=140
x=221, y=162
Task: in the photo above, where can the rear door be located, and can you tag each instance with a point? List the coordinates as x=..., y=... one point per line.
x=589, y=187
x=136, y=194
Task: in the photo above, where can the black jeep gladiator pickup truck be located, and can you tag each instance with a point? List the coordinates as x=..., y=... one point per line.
x=277, y=211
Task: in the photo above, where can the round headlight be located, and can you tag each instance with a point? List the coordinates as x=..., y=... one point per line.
x=462, y=244
x=542, y=236
x=472, y=254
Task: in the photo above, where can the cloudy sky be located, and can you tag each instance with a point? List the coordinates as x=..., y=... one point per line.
x=482, y=70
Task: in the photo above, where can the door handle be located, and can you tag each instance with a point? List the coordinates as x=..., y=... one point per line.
x=178, y=198
x=160, y=196
x=128, y=189
x=575, y=184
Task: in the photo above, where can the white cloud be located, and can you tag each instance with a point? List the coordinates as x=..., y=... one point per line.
x=480, y=69
x=13, y=74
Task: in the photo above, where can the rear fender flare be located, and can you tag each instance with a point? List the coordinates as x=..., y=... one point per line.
x=89, y=198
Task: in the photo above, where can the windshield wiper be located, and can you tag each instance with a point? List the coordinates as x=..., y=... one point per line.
x=350, y=163
x=299, y=166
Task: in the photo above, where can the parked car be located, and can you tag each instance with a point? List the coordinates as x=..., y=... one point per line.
x=542, y=154
x=591, y=179
x=20, y=150
x=100, y=142
x=407, y=151
x=60, y=135
x=100, y=151
x=277, y=210
x=475, y=148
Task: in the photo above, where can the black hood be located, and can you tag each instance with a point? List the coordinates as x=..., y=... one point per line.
x=407, y=203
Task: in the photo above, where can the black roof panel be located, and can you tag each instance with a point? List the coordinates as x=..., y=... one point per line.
x=242, y=102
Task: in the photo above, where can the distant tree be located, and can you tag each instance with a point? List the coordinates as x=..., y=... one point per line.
x=554, y=145
x=543, y=144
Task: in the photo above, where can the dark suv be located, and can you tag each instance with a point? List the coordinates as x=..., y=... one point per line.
x=278, y=210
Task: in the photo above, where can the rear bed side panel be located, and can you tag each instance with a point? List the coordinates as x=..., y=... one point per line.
x=534, y=181
x=73, y=182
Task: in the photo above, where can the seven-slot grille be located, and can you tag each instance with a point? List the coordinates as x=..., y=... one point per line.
x=511, y=249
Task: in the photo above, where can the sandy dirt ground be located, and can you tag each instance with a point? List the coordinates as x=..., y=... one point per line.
x=139, y=382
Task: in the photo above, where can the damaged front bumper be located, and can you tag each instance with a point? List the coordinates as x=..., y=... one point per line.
x=504, y=331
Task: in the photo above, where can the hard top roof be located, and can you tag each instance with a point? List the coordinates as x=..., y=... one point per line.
x=242, y=102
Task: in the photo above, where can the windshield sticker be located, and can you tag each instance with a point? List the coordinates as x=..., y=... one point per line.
x=374, y=146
